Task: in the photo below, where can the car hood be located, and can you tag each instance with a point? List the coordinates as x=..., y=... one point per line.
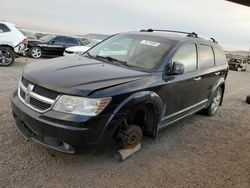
x=79, y=75
x=78, y=48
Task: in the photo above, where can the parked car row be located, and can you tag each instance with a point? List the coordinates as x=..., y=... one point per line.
x=13, y=41
x=51, y=45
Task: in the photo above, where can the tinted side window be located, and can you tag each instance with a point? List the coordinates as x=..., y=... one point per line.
x=4, y=28
x=59, y=40
x=188, y=56
x=71, y=41
x=206, y=57
x=220, y=58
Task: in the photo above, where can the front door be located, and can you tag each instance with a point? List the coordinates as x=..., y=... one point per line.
x=56, y=46
x=180, y=91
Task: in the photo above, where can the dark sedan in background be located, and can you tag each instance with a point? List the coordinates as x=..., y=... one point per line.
x=51, y=45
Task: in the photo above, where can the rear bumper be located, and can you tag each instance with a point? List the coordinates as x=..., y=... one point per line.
x=63, y=132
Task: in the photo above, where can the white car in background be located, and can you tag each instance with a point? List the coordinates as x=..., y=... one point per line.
x=75, y=50
x=11, y=41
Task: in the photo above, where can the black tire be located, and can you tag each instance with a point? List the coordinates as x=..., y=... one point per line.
x=211, y=109
x=248, y=99
x=7, y=56
x=35, y=52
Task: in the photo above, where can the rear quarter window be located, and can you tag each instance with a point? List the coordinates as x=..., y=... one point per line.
x=220, y=58
x=4, y=28
x=206, y=57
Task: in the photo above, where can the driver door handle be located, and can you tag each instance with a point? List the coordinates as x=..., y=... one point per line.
x=197, y=78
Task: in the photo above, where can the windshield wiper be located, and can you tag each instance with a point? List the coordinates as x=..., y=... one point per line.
x=88, y=54
x=113, y=59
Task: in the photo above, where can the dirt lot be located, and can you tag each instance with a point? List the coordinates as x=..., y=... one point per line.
x=198, y=151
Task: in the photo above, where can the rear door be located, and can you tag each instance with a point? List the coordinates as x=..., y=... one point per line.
x=56, y=46
x=208, y=73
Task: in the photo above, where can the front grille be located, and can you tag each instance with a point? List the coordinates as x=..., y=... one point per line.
x=35, y=96
x=39, y=104
x=41, y=90
x=22, y=94
x=25, y=82
x=45, y=92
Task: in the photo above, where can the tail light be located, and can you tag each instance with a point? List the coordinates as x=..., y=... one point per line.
x=25, y=41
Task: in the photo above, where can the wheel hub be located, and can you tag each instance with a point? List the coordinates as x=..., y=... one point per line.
x=130, y=137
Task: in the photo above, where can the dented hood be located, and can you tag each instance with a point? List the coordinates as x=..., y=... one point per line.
x=79, y=75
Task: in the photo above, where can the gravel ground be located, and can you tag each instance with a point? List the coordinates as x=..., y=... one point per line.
x=198, y=151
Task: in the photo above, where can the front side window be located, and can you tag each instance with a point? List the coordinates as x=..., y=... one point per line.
x=138, y=51
x=187, y=55
x=206, y=57
x=4, y=28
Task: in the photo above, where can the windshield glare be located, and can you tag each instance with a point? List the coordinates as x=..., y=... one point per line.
x=143, y=52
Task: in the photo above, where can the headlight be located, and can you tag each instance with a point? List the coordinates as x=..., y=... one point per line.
x=81, y=105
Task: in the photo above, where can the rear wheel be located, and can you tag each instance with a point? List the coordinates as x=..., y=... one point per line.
x=216, y=100
x=7, y=56
x=36, y=52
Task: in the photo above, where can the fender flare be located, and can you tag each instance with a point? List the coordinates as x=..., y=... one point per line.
x=217, y=84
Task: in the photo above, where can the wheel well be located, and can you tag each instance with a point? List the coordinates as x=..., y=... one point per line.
x=145, y=116
x=8, y=46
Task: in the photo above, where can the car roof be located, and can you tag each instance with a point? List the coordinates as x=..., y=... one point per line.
x=177, y=37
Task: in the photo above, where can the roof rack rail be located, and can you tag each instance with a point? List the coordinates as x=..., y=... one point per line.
x=215, y=41
x=189, y=34
x=211, y=39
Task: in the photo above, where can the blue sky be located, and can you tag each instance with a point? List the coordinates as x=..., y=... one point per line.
x=229, y=23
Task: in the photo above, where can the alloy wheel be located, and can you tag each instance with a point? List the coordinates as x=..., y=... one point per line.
x=36, y=52
x=216, y=101
x=5, y=57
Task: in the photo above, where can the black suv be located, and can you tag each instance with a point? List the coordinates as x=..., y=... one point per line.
x=51, y=45
x=80, y=103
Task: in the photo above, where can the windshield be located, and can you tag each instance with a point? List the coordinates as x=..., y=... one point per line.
x=47, y=38
x=138, y=51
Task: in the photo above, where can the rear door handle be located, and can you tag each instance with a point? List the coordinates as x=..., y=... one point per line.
x=197, y=78
x=217, y=73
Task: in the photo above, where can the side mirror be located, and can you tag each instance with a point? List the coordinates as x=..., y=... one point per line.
x=176, y=69
x=1, y=30
x=52, y=42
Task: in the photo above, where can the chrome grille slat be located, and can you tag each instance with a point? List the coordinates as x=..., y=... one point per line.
x=37, y=102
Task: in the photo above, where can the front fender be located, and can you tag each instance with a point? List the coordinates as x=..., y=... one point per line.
x=143, y=97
